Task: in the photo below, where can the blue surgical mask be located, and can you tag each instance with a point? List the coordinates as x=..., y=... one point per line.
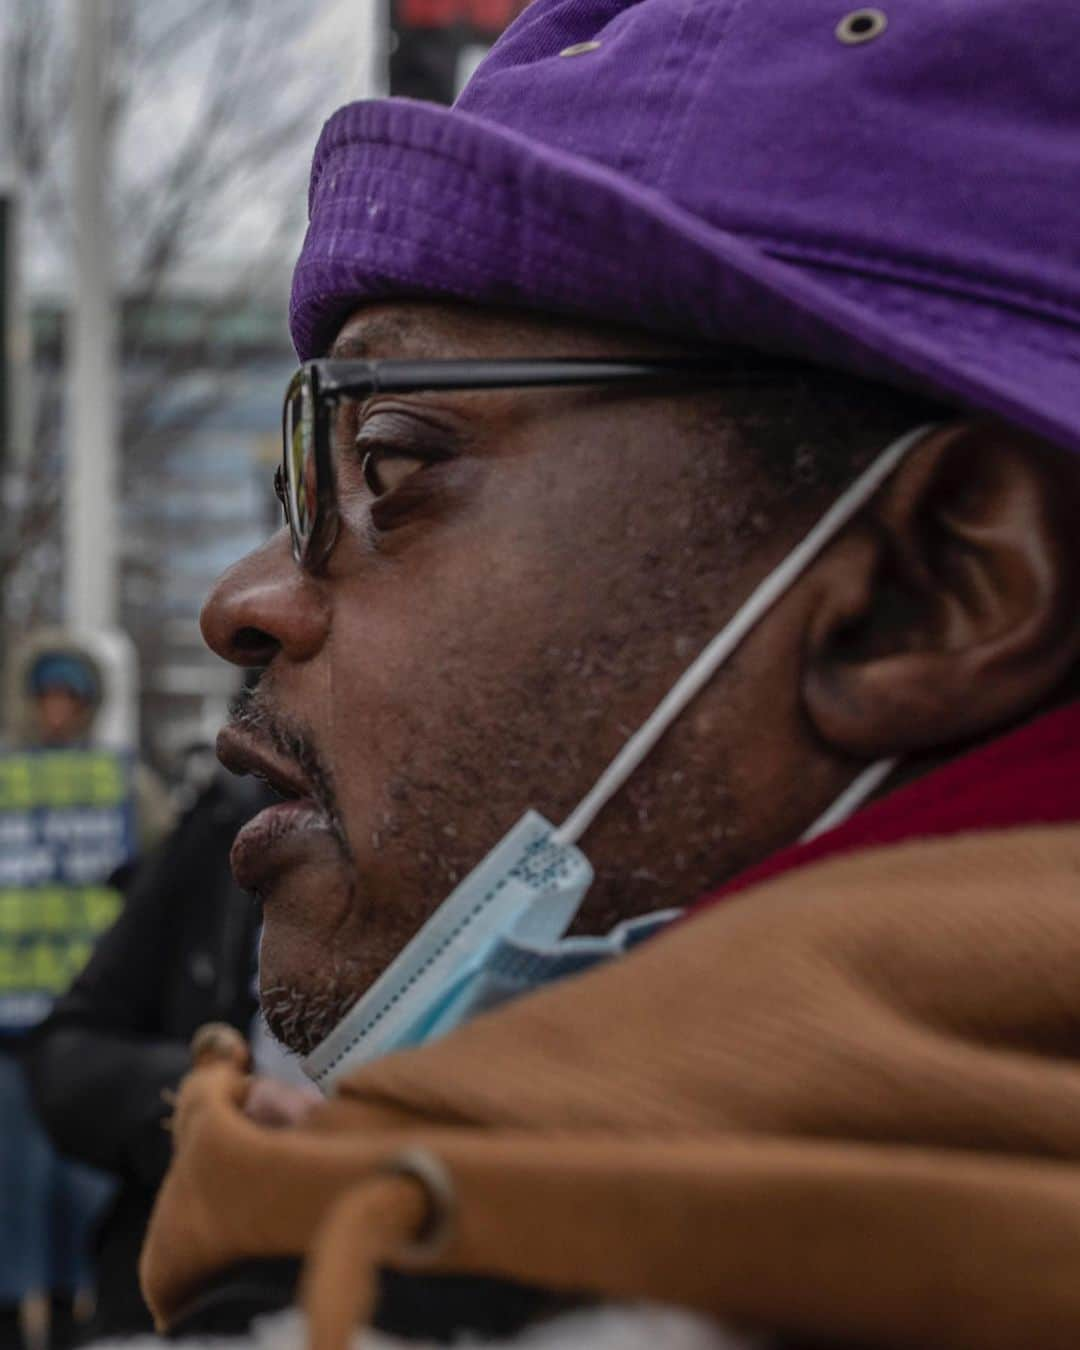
x=530, y=886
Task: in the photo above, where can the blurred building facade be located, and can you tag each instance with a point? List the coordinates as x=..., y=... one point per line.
x=202, y=389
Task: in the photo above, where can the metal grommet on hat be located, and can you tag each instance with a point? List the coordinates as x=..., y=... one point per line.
x=423, y=1166
x=579, y=49
x=861, y=25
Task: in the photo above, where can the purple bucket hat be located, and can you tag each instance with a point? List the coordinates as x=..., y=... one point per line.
x=893, y=191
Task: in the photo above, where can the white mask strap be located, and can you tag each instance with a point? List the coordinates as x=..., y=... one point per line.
x=859, y=791
x=694, y=679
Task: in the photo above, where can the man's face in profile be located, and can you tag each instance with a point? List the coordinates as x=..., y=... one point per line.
x=519, y=578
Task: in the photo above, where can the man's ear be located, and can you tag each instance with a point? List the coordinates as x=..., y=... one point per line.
x=951, y=606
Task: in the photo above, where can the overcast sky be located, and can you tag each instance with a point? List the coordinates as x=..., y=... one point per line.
x=291, y=59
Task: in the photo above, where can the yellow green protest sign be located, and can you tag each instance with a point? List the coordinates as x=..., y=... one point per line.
x=67, y=822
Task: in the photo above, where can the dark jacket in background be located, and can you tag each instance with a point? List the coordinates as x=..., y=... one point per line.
x=182, y=953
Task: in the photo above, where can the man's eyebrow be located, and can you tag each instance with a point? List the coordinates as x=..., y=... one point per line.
x=351, y=347
x=382, y=335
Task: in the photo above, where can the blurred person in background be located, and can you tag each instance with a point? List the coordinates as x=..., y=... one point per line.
x=104, y=1065
x=64, y=689
x=759, y=575
x=198, y=769
x=56, y=686
x=50, y=1202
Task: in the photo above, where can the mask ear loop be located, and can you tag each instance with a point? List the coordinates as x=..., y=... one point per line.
x=857, y=793
x=753, y=610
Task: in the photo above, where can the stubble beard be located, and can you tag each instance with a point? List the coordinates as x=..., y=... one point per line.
x=302, y=1018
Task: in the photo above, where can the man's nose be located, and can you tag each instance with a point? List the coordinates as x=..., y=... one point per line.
x=265, y=605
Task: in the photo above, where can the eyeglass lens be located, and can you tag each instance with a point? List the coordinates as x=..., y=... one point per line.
x=300, y=471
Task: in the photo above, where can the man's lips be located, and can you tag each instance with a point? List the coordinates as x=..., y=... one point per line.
x=281, y=835
x=242, y=754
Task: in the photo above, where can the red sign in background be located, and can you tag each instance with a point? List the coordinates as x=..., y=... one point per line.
x=437, y=43
x=489, y=17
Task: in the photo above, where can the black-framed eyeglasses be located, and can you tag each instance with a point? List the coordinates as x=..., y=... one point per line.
x=305, y=481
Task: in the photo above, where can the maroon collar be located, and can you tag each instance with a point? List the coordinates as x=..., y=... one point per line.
x=1029, y=777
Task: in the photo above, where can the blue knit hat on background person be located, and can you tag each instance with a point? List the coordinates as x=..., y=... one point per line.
x=893, y=191
x=63, y=671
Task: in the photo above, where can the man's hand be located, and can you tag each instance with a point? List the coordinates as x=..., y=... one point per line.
x=279, y=1105
x=268, y=1102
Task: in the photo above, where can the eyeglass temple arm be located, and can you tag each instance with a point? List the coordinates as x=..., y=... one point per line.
x=346, y=377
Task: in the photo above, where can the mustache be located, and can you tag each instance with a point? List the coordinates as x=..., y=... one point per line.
x=250, y=711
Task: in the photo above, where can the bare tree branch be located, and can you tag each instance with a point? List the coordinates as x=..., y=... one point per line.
x=235, y=113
